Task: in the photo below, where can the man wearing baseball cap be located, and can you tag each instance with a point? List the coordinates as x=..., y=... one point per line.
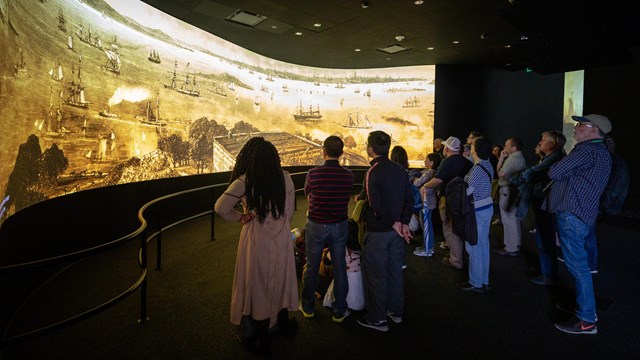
x=453, y=165
x=578, y=182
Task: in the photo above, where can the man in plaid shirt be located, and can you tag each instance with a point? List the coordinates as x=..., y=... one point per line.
x=578, y=181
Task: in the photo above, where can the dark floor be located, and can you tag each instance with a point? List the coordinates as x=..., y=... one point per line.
x=188, y=308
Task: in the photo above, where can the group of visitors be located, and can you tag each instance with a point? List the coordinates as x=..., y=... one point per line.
x=562, y=192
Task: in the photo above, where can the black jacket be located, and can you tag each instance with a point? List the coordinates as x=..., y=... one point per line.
x=388, y=194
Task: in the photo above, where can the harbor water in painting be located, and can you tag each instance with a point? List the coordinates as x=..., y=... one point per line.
x=104, y=92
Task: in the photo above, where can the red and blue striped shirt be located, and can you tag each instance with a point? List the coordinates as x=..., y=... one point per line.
x=329, y=188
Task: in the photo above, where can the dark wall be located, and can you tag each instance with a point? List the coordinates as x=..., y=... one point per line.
x=614, y=92
x=499, y=104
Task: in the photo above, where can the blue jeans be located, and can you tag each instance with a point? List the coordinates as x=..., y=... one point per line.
x=546, y=240
x=318, y=236
x=573, y=236
x=592, y=248
x=479, y=253
x=427, y=232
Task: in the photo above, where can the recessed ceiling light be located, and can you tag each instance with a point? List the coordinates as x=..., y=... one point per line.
x=388, y=58
x=356, y=50
x=298, y=33
x=274, y=27
x=399, y=37
x=317, y=25
x=418, y=2
x=430, y=48
x=507, y=46
x=456, y=42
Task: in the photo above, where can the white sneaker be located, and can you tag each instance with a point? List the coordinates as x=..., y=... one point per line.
x=422, y=253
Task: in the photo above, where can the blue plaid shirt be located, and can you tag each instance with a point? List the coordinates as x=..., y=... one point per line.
x=579, y=179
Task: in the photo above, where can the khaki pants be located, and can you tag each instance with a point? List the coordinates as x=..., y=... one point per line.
x=456, y=247
x=511, y=224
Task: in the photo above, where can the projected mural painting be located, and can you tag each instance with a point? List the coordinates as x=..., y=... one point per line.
x=98, y=93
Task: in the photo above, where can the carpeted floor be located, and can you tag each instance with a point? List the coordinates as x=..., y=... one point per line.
x=188, y=308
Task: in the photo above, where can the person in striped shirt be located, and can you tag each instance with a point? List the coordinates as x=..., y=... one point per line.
x=479, y=180
x=329, y=188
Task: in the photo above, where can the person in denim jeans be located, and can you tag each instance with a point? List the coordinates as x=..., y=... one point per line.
x=479, y=180
x=329, y=188
x=578, y=182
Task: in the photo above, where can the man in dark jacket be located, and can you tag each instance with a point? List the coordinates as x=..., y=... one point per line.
x=387, y=218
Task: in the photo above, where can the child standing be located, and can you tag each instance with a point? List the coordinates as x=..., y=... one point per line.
x=429, y=203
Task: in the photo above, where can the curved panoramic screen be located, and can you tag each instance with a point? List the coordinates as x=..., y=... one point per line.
x=104, y=92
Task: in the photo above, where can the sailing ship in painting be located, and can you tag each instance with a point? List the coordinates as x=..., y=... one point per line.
x=154, y=57
x=87, y=37
x=54, y=127
x=62, y=22
x=113, y=63
x=56, y=72
x=411, y=102
x=70, y=42
x=106, y=113
x=75, y=91
x=190, y=86
x=232, y=86
x=152, y=114
x=356, y=121
x=217, y=89
x=20, y=68
x=307, y=115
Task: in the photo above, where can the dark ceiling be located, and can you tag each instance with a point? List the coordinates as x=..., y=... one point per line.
x=546, y=36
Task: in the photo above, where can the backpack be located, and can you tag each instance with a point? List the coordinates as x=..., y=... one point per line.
x=460, y=209
x=457, y=203
x=417, y=199
x=617, y=188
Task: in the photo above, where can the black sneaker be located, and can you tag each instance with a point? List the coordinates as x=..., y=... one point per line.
x=376, y=325
x=340, y=317
x=577, y=326
x=466, y=286
x=543, y=280
x=395, y=318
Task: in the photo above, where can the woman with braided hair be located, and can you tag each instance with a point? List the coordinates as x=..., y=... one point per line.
x=265, y=285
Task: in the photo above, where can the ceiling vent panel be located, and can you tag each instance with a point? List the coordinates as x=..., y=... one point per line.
x=246, y=18
x=393, y=49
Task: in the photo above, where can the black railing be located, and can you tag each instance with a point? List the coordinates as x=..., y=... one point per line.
x=141, y=282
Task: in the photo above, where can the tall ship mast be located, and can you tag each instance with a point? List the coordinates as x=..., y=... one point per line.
x=154, y=57
x=56, y=72
x=355, y=121
x=87, y=37
x=75, y=91
x=62, y=22
x=113, y=63
x=411, y=102
x=152, y=113
x=307, y=115
x=188, y=86
x=20, y=69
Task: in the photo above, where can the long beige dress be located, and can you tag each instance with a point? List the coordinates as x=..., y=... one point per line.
x=265, y=279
